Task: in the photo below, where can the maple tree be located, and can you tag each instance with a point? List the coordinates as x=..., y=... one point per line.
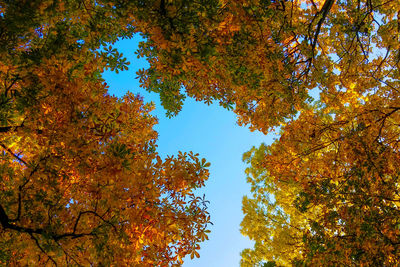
x=81, y=181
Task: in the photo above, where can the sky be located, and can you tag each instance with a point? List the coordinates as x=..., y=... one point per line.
x=212, y=132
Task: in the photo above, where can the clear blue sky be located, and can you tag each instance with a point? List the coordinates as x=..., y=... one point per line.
x=212, y=132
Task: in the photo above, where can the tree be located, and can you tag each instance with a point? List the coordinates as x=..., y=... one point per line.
x=327, y=189
x=335, y=190
x=325, y=193
x=262, y=58
x=82, y=183
x=229, y=51
x=271, y=218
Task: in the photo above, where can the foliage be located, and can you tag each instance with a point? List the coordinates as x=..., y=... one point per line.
x=82, y=183
x=327, y=192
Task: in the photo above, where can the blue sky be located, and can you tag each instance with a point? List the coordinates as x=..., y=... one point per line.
x=212, y=132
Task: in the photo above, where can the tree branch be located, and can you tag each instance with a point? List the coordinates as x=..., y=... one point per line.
x=41, y=249
x=5, y=222
x=14, y=155
x=324, y=10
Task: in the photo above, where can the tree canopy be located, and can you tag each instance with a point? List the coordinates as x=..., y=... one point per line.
x=82, y=181
x=262, y=58
x=326, y=192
